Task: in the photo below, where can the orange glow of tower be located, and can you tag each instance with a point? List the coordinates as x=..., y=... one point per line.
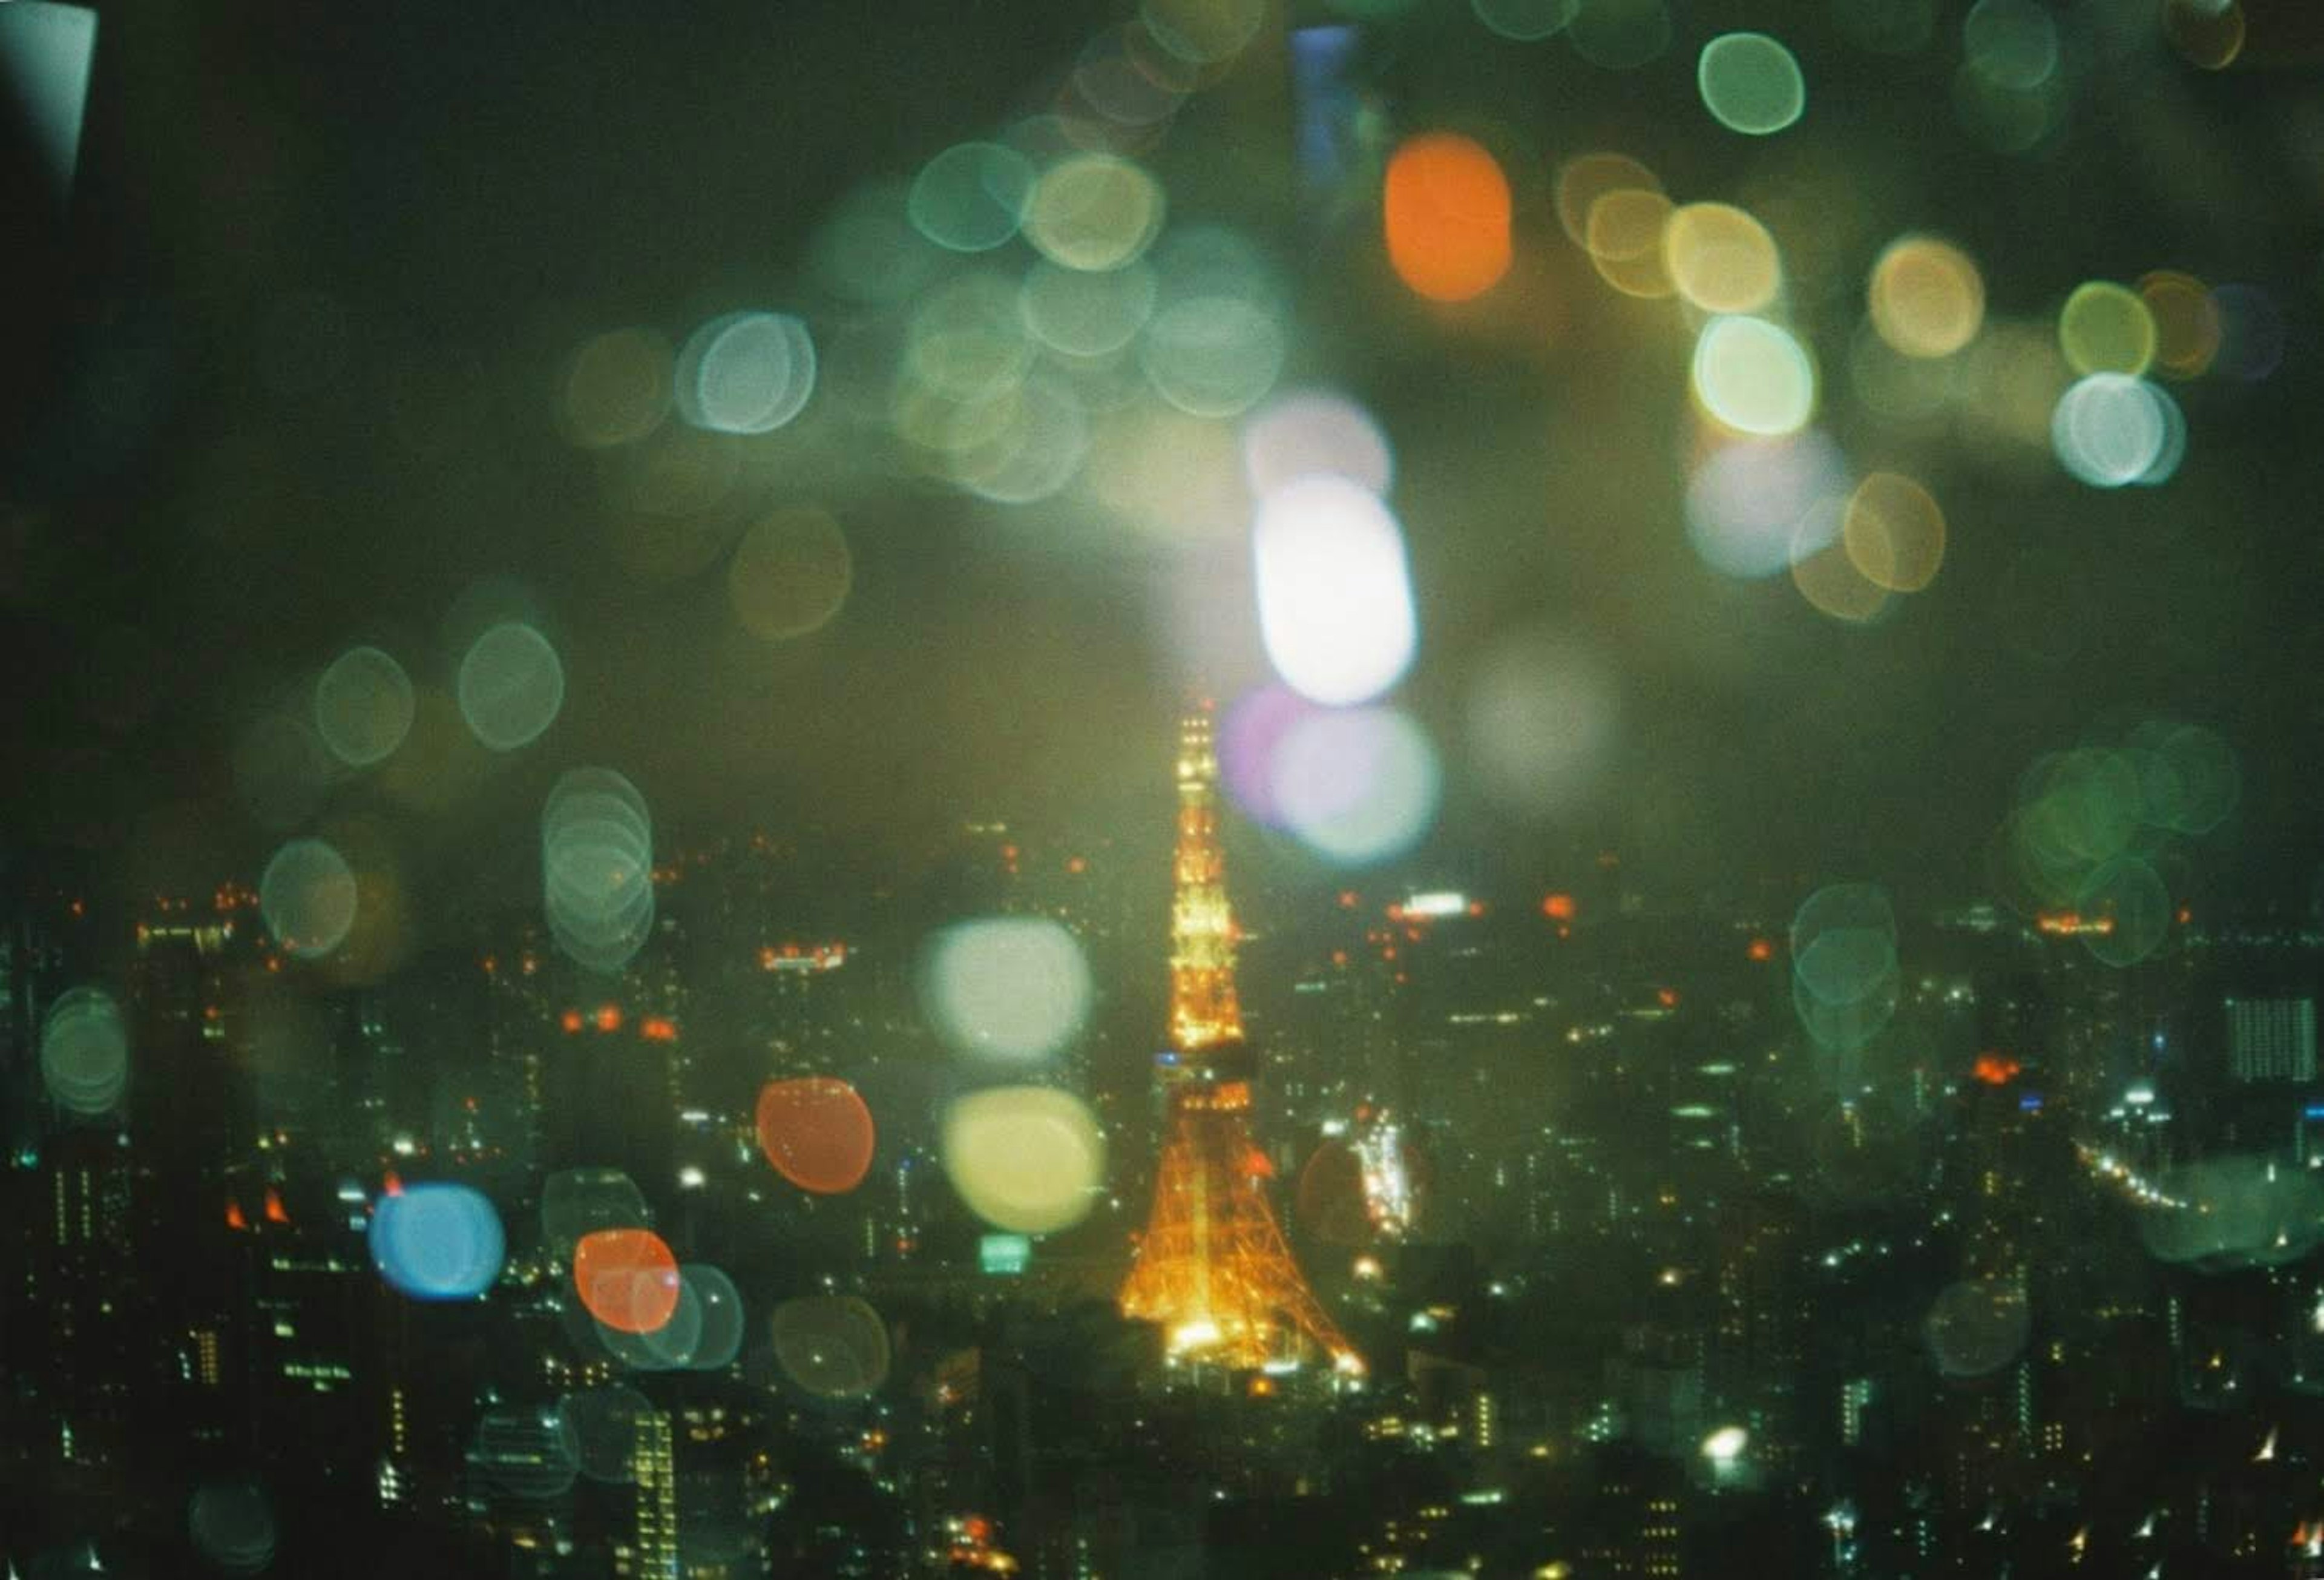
x=1213, y=1269
x=1203, y=1010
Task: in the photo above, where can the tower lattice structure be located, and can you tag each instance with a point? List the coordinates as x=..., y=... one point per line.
x=1213, y=1269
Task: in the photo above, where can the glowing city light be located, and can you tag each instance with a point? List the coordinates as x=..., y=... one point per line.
x=1334, y=595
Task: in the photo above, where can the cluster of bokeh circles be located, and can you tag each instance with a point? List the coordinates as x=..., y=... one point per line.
x=1846, y=983
x=631, y=1303
x=996, y=319
x=362, y=714
x=634, y=1303
x=1007, y=994
x=741, y=373
x=1771, y=491
x=1025, y=315
x=596, y=868
x=2102, y=834
x=1321, y=752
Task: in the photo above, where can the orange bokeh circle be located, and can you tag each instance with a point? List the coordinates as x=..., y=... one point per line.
x=816, y=1133
x=1445, y=209
x=627, y=1279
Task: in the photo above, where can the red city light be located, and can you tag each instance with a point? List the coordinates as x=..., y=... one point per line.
x=1996, y=1070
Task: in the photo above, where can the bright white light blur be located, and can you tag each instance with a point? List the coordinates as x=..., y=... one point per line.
x=1753, y=376
x=1334, y=595
x=1357, y=786
x=1749, y=504
x=1725, y=1445
x=1025, y=1158
x=2110, y=430
x=1437, y=902
x=1013, y=987
x=1311, y=432
x=1199, y=1334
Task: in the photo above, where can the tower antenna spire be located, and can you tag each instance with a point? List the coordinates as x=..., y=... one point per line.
x=1213, y=1269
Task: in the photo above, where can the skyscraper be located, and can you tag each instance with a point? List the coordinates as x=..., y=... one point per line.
x=2272, y=1040
x=651, y=1551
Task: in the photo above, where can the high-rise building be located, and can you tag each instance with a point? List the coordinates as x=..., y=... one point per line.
x=79, y=1307
x=1213, y=1269
x=2272, y=1040
x=650, y=1550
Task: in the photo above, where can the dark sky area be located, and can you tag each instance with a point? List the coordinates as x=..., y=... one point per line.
x=283, y=380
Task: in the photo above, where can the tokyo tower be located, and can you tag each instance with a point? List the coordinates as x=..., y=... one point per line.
x=1213, y=1269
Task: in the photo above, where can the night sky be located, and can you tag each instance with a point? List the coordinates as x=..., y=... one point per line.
x=284, y=380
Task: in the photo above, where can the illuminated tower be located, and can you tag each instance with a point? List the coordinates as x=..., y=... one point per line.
x=1213, y=1269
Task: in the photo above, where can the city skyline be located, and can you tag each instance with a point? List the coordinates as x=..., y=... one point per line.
x=1191, y=790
